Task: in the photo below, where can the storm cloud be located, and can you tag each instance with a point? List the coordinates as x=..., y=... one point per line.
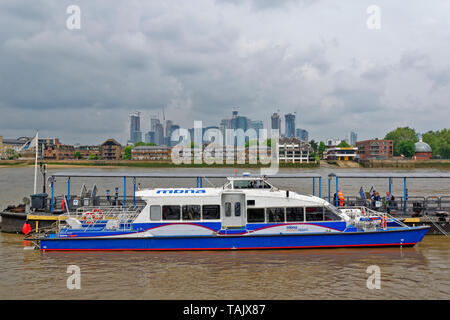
x=200, y=59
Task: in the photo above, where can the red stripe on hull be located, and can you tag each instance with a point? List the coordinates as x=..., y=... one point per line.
x=244, y=248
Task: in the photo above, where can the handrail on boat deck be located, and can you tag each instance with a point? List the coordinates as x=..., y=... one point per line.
x=365, y=211
x=124, y=216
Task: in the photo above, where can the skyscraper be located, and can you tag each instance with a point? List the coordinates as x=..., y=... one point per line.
x=153, y=122
x=233, y=120
x=353, y=138
x=159, y=134
x=135, y=127
x=276, y=122
x=150, y=137
x=242, y=123
x=290, y=125
x=172, y=129
x=169, y=124
x=256, y=125
x=301, y=134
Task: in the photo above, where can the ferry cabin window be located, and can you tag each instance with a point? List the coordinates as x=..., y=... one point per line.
x=171, y=212
x=314, y=213
x=191, y=212
x=263, y=185
x=251, y=184
x=242, y=184
x=294, y=214
x=330, y=215
x=255, y=215
x=155, y=213
x=275, y=214
x=227, y=209
x=211, y=212
x=237, y=209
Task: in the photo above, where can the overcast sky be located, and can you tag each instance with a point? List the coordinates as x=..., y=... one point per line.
x=200, y=59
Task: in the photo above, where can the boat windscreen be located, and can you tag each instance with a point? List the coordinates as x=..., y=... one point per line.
x=251, y=184
x=334, y=209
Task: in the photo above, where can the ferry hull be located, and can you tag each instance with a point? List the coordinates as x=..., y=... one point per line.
x=396, y=237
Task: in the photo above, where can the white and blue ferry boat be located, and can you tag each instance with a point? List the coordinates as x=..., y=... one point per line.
x=245, y=213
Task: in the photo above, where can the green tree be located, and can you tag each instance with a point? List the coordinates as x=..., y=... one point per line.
x=251, y=143
x=139, y=144
x=432, y=138
x=439, y=142
x=93, y=156
x=343, y=144
x=406, y=148
x=11, y=154
x=127, y=152
x=313, y=145
x=322, y=148
x=401, y=134
x=193, y=145
x=444, y=143
x=77, y=155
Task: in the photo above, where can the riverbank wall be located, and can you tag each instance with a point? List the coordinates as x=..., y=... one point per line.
x=393, y=164
x=407, y=164
x=146, y=164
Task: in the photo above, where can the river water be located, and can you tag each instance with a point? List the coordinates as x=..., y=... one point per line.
x=421, y=272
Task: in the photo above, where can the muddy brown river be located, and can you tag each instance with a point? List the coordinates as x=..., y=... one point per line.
x=421, y=272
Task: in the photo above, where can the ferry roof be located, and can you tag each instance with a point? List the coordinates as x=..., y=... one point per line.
x=87, y=174
x=390, y=175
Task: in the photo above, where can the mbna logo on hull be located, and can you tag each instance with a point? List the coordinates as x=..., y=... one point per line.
x=180, y=191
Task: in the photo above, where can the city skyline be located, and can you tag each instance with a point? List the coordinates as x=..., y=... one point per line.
x=79, y=85
x=160, y=132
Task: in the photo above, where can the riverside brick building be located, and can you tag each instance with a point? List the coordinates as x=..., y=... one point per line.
x=375, y=149
x=87, y=151
x=111, y=150
x=151, y=153
x=58, y=151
